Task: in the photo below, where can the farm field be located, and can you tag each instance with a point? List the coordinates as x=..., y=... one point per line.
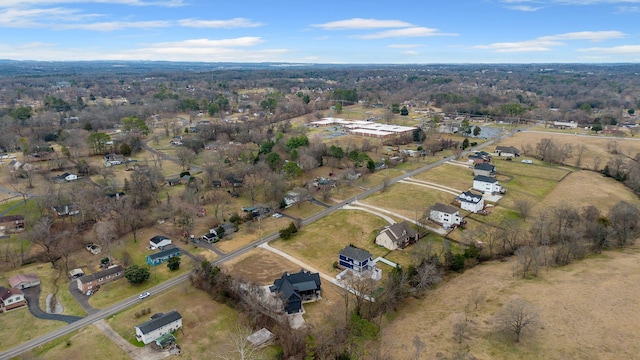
x=595, y=146
x=601, y=286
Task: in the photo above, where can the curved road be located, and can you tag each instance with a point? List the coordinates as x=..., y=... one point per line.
x=116, y=308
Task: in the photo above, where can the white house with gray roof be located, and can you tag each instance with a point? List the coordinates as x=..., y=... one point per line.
x=446, y=215
x=470, y=201
x=487, y=184
x=159, y=325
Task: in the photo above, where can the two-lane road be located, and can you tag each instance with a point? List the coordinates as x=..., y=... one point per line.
x=92, y=318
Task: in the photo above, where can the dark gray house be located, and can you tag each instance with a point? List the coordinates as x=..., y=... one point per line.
x=293, y=289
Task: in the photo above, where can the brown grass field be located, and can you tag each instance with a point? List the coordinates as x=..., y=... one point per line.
x=88, y=340
x=587, y=312
x=318, y=244
x=19, y=325
x=596, y=146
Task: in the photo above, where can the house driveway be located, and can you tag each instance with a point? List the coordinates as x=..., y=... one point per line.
x=81, y=298
x=32, y=295
x=440, y=231
x=134, y=352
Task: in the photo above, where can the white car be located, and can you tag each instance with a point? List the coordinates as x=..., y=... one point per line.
x=143, y=295
x=277, y=215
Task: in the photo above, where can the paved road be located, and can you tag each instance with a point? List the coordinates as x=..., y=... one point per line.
x=116, y=308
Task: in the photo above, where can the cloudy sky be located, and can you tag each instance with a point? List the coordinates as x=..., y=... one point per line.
x=324, y=31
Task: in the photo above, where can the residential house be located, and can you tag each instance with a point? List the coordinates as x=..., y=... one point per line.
x=11, y=224
x=293, y=289
x=487, y=184
x=66, y=210
x=159, y=242
x=397, y=236
x=159, y=325
x=162, y=256
x=15, y=165
x=24, y=281
x=485, y=169
x=477, y=159
x=65, y=177
x=90, y=282
x=470, y=201
x=355, y=259
x=291, y=198
x=507, y=151
x=445, y=215
x=11, y=298
x=173, y=181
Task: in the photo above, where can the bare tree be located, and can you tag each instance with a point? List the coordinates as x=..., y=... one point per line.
x=524, y=208
x=460, y=328
x=105, y=232
x=185, y=156
x=252, y=184
x=477, y=297
x=516, y=316
x=242, y=348
x=419, y=346
x=42, y=235
x=581, y=150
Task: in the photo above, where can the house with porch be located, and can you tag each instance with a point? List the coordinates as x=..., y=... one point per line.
x=397, y=236
x=24, y=281
x=159, y=325
x=485, y=169
x=90, y=282
x=470, y=201
x=355, y=259
x=162, y=256
x=445, y=215
x=507, y=151
x=487, y=184
x=11, y=298
x=294, y=289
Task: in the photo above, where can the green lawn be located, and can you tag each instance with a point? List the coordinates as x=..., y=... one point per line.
x=18, y=326
x=88, y=340
x=318, y=244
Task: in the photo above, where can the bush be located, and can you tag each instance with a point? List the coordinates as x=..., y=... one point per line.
x=335, y=264
x=457, y=263
x=287, y=233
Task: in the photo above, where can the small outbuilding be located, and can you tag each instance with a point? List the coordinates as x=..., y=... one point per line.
x=24, y=281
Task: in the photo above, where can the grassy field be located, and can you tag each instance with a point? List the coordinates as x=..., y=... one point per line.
x=318, y=244
x=207, y=325
x=602, y=287
x=408, y=200
x=19, y=325
x=88, y=340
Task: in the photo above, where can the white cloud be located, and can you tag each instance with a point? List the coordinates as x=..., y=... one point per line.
x=359, y=23
x=525, y=8
x=32, y=3
x=622, y=49
x=208, y=43
x=545, y=43
x=522, y=46
x=627, y=9
x=417, y=31
x=226, y=24
x=405, y=46
x=27, y=18
x=410, y=52
x=115, y=25
x=586, y=35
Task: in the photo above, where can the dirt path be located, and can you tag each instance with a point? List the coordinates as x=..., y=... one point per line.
x=136, y=353
x=440, y=231
x=387, y=218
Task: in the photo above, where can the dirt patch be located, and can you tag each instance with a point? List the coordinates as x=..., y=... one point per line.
x=587, y=312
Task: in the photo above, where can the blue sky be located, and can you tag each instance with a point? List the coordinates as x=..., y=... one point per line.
x=324, y=31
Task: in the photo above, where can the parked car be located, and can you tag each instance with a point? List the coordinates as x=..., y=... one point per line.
x=143, y=295
x=527, y=161
x=277, y=215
